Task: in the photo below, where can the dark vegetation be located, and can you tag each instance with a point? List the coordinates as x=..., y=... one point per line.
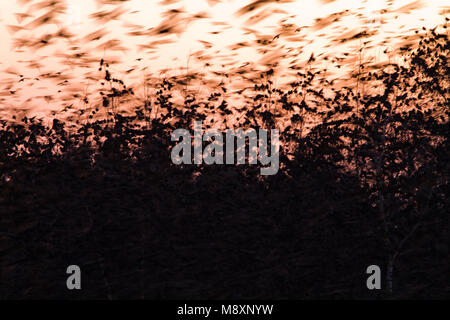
x=367, y=184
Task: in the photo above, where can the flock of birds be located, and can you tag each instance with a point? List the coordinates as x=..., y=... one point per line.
x=42, y=37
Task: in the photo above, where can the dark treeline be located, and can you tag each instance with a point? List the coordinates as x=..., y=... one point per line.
x=367, y=184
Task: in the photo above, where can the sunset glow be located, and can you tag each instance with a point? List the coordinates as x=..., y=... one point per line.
x=224, y=149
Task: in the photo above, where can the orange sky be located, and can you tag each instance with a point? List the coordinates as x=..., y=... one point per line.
x=217, y=24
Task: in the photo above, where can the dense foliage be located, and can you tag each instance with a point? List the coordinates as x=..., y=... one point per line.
x=367, y=183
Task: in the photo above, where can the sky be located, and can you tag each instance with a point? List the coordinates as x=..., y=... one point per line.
x=218, y=32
